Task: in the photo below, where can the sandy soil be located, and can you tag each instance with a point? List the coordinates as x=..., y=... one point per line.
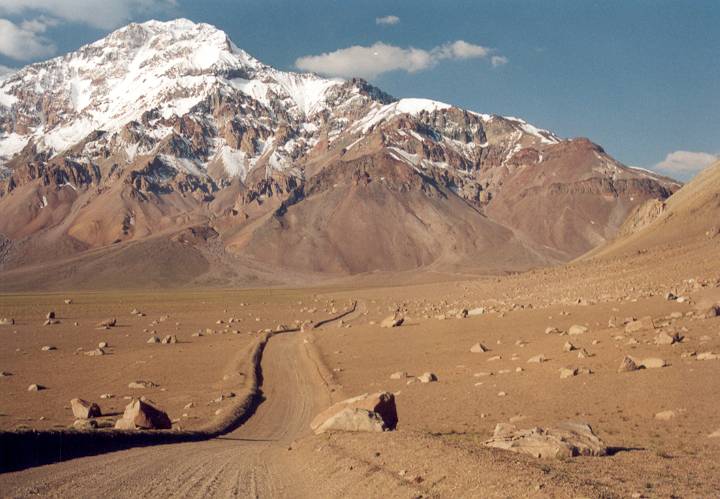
x=437, y=449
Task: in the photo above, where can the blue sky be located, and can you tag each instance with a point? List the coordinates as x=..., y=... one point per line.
x=641, y=78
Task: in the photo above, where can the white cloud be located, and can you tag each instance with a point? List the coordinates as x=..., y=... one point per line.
x=104, y=14
x=498, y=60
x=686, y=163
x=369, y=62
x=460, y=50
x=387, y=20
x=23, y=42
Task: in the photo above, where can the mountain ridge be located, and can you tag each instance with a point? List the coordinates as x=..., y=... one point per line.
x=160, y=128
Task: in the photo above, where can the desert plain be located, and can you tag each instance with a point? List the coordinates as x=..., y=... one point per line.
x=538, y=369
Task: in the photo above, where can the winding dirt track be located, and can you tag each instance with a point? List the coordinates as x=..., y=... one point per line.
x=252, y=461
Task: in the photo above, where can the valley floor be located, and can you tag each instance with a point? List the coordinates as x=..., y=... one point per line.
x=437, y=449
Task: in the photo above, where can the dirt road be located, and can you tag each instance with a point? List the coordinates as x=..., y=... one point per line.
x=244, y=463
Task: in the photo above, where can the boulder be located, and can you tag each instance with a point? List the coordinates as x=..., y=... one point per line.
x=7, y=322
x=568, y=347
x=476, y=311
x=142, y=414
x=153, y=339
x=577, y=330
x=35, y=387
x=568, y=372
x=82, y=409
x=392, y=321
x=566, y=440
x=169, y=339
x=95, y=353
x=375, y=412
x=50, y=315
x=399, y=375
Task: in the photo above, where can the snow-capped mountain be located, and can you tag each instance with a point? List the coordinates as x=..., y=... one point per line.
x=165, y=125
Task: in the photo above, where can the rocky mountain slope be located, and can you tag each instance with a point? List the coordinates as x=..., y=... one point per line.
x=168, y=141
x=690, y=217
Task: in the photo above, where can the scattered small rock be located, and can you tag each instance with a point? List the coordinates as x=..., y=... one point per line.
x=577, y=330
x=627, y=365
x=478, y=348
x=141, y=384
x=395, y=320
x=107, y=324
x=653, y=363
x=427, y=378
x=665, y=415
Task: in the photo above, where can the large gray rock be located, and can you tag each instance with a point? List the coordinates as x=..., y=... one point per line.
x=353, y=419
x=142, y=414
x=82, y=409
x=566, y=440
x=374, y=412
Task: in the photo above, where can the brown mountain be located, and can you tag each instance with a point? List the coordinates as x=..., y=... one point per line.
x=163, y=154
